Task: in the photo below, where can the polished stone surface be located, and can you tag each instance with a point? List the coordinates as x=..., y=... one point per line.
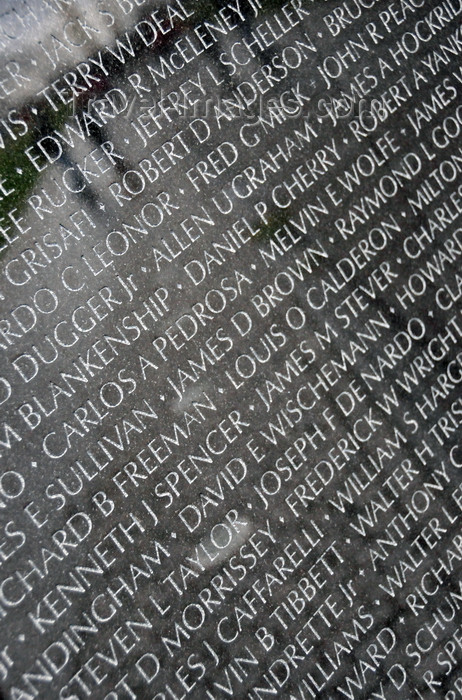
x=231, y=333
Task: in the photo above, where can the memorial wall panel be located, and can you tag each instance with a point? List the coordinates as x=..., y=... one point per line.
x=230, y=239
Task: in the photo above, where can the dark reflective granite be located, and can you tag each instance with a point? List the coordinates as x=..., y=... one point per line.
x=231, y=349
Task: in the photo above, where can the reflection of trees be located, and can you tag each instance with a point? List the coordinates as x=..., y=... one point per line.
x=15, y=166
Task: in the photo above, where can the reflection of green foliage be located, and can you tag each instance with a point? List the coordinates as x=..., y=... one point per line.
x=204, y=10
x=276, y=220
x=271, y=5
x=11, y=159
x=16, y=168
